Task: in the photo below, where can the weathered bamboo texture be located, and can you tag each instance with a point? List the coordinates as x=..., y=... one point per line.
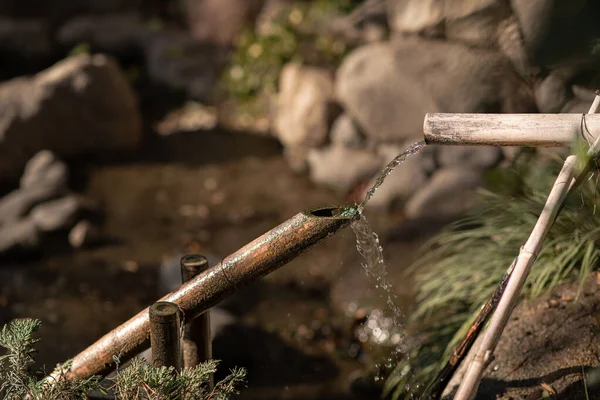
x=253, y=261
x=525, y=260
x=534, y=130
x=166, y=335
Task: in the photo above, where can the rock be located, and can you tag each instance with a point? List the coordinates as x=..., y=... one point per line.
x=18, y=203
x=512, y=45
x=303, y=106
x=57, y=214
x=478, y=157
x=220, y=21
x=83, y=234
x=345, y=132
x=475, y=22
x=553, y=93
x=558, y=31
x=19, y=236
x=118, y=33
x=341, y=168
x=296, y=158
x=389, y=87
x=80, y=105
x=582, y=101
x=404, y=181
x=448, y=193
x=416, y=16
x=25, y=37
x=44, y=169
x=176, y=60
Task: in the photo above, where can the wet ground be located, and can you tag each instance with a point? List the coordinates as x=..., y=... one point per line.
x=212, y=192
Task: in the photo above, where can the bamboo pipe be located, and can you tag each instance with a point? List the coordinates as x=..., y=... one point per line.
x=258, y=258
x=534, y=130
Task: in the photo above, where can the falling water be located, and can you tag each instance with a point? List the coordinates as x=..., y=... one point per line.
x=388, y=329
x=384, y=329
x=413, y=149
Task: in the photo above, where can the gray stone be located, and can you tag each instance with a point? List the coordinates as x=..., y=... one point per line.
x=220, y=21
x=389, y=87
x=112, y=33
x=403, y=182
x=83, y=234
x=303, y=105
x=19, y=236
x=345, y=132
x=479, y=157
x=557, y=31
x=416, y=16
x=296, y=158
x=44, y=169
x=474, y=22
x=341, y=168
x=57, y=214
x=25, y=37
x=18, y=203
x=82, y=104
x=552, y=93
x=176, y=60
x=449, y=193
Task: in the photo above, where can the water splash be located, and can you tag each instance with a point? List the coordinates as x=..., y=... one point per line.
x=399, y=159
x=380, y=328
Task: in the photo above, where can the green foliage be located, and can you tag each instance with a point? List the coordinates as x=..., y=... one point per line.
x=142, y=380
x=16, y=382
x=139, y=380
x=299, y=32
x=462, y=265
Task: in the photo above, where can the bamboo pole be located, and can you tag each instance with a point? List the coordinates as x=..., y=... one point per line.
x=165, y=335
x=198, y=330
x=525, y=260
x=258, y=258
x=535, y=130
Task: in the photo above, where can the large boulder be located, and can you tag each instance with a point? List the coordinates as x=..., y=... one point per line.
x=303, y=106
x=389, y=87
x=448, y=193
x=341, y=168
x=556, y=31
x=81, y=105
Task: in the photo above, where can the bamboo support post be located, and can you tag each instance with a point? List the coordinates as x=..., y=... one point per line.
x=165, y=335
x=535, y=130
x=258, y=258
x=198, y=330
x=525, y=260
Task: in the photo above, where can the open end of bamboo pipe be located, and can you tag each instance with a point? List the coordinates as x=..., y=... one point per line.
x=533, y=130
x=258, y=258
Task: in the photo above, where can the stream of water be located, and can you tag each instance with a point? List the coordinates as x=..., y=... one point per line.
x=384, y=329
x=399, y=159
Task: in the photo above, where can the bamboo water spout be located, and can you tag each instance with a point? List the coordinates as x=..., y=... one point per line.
x=253, y=261
x=534, y=130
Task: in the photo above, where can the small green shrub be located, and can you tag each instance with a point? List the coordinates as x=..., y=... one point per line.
x=299, y=32
x=139, y=380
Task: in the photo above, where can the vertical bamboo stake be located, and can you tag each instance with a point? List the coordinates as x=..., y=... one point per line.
x=165, y=335
x=198, y=330
x=525, y=260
